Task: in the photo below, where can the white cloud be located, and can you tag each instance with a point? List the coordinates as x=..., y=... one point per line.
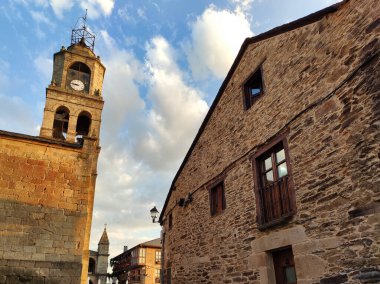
x=120, y=85
x=123, y=195
x=60, y=6
x=216, y=37
x=98, y=7
x=242, y=6
x=177, y=112
x=141, y=13
x=95, y=7
x=44, y=65
x=125, y=15
x=40, y=17
x=16, y=116
x=41, y=3
x=144, y=138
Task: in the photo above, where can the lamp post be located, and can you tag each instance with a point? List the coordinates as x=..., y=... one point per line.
x=154, y=214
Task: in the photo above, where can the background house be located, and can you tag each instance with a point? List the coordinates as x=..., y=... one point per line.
x=281, y=184
x=140, y=264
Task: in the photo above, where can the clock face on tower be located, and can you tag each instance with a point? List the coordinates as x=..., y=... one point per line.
x=78, y=77
x=77, y=85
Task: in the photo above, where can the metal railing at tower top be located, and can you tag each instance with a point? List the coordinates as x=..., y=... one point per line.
x=83, y=36
x=80, y=34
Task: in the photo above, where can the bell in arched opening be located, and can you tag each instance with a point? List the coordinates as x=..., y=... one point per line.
x=83, y=126
x=61, y=123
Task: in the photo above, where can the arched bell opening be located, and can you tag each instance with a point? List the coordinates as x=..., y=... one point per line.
x=91, y=266
x=78, y=77
x=83, y=126
x=61, y=123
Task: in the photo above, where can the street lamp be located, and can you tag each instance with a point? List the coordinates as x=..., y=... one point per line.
x=154, y=214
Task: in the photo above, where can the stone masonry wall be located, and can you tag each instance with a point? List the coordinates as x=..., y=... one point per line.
x=322, y=85
x=44, y=199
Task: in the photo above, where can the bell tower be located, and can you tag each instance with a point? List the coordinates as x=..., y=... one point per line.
x=72, y=115
x=74, y=100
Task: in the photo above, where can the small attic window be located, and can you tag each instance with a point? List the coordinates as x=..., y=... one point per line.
x=253, y=88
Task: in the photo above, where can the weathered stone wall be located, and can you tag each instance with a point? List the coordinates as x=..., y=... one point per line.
x=322, y=85
x=45, y=193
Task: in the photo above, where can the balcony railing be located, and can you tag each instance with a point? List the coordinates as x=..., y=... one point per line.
x=275, y=202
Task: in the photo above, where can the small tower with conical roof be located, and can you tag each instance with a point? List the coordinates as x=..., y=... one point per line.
x=103, y=254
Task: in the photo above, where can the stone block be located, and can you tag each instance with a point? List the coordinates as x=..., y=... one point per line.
x=309, y=267
x=279, y=239
x=258, y=259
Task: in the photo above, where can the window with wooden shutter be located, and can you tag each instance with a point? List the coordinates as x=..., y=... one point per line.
x=217, y=199
x=170, y=221
x=274, y=191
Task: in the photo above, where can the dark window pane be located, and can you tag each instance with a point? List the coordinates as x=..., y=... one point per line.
x=253, y=88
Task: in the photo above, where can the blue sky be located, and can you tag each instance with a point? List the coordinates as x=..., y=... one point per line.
x=165, y=62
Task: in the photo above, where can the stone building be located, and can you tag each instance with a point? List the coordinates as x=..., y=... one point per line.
x=139, y=265
x=281, y=184
x=47, y=182
x=98, y=261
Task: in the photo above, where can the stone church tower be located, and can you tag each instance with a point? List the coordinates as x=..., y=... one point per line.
x=98, y=262
x=103, y=254
x=73, y=99
x=47, y=182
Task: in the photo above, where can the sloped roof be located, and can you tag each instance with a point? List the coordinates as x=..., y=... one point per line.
x=309, y=19
x=104, y=239
x=152, y=243
x=156, y=243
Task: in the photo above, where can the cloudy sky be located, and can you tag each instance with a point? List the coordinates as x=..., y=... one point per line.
x=165, y=62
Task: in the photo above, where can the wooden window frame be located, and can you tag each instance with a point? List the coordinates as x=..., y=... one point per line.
x=262, y=224
x=217, y=188
x=157, y=275
x=248, y=99
x=157, y=256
